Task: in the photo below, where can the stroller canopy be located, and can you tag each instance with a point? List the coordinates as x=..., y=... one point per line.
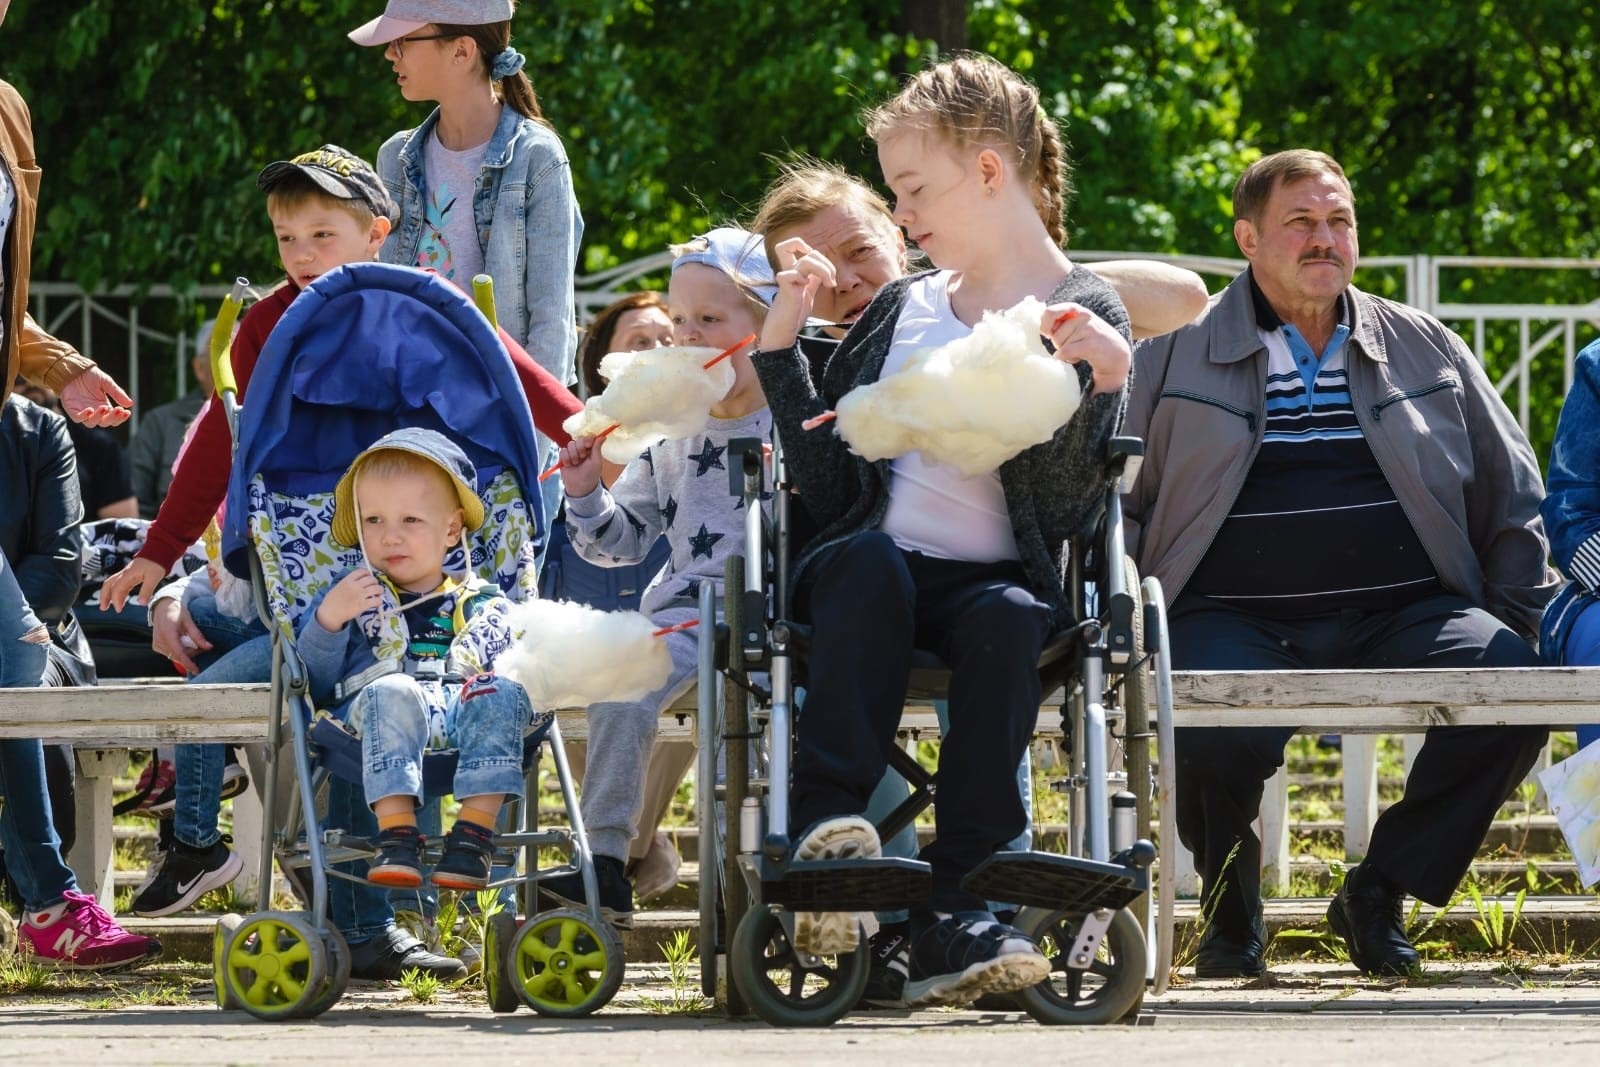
x=365, y=349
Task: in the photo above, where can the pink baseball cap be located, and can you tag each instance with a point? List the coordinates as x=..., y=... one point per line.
x=402, y=17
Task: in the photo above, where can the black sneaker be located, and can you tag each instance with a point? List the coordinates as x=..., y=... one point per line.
x=235, y=779
x=958, y=960
x=399, y=860
x=186, y=875
x=888, y=966
x=386, y=957
x=468, y=855
x=616, y=892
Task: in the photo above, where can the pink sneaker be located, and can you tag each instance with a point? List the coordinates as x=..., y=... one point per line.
x=85, y=938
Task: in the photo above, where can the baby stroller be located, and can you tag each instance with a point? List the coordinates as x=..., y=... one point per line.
x=366, y=349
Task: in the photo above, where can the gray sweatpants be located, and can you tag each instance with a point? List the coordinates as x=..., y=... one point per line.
x=620, y=739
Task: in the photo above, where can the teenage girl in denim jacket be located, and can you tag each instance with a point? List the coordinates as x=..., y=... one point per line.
x=483, y=184
x=1570, y=632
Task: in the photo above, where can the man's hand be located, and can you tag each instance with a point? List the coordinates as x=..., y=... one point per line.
x=139, y=579
x=95, y=399
x=173, y=634
x=351, y=595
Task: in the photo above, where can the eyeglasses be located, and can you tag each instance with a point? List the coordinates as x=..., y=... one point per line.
x=400, y=42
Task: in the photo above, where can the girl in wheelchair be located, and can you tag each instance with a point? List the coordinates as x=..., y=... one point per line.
x=911, y=555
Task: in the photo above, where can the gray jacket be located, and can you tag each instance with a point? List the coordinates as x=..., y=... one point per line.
x=1459, y=464
x=1052, y=489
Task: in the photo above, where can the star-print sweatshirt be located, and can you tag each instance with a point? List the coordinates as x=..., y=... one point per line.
x=678, y=489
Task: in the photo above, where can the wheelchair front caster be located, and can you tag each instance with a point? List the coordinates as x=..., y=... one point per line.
x=499, y=944
x=274, y=965
x=562, y=963
x=786, y=988
x=1110, y=989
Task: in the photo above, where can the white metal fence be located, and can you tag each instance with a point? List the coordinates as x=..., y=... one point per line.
x=146, y=341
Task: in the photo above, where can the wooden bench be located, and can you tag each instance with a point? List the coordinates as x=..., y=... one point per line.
x=103, y=722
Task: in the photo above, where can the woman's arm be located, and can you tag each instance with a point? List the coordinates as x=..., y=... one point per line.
x=1159, y=297
x=554, y=227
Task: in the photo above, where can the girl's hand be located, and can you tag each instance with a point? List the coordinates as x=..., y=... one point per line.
x=351, y=595
x=580, y=466
x=138, y=579
x=1081, y=336
x=173, y=633
x=805, y=270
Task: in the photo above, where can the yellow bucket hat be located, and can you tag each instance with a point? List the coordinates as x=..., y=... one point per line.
x=430, y=445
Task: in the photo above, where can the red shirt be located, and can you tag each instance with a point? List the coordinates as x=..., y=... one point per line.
x=200, y=484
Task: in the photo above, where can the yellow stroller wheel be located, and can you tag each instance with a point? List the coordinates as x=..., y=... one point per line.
x=563, y=964
x=274, y=965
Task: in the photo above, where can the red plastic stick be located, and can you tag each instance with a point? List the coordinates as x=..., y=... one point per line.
x=817, y=420
x=1066, y=316
x=707, y=365
x=665, y=630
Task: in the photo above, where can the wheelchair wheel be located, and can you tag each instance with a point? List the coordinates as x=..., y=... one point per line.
x=8, y=937
x=499, y=936
x=1110, y=989
x=783, y=987
x=274, y=965
x=561, y=964
x=219, y=952
x=338, y=980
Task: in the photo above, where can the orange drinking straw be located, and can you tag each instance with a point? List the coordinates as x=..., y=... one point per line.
x=707, y=365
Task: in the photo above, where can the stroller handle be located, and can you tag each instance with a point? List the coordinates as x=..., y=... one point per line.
x=222, y=339
x=483, y=296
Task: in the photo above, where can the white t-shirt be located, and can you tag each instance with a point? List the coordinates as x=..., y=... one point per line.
x=932, y=508
x=450, y=241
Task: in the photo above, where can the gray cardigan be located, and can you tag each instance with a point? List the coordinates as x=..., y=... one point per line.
x=1053, y=490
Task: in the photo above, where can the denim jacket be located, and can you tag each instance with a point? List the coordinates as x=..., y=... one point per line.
x=1571, y=507
x=528, y=223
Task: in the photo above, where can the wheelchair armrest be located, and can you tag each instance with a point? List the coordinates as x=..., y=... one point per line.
x=1125, y=456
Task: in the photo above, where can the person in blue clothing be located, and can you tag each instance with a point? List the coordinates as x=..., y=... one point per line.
x=402, y=652
x=483, y=184
x=1570, y=631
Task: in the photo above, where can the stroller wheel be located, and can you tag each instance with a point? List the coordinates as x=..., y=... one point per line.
x=274, y=965
x=562, y=964
x=8, y=937
x=499, y=943
x=784, y=987
x=338, y=980
x=219, y=952
x=1110, y=989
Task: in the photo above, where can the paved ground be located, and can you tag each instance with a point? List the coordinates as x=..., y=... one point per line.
x=1315, y=1013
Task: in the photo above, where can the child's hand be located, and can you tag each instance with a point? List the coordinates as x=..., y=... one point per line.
x=1081, y=336
x=807, y=270
x=139, y=578
x=580, y=466
x=351, y=595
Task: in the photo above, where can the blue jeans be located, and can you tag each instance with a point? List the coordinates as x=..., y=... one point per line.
x=360, y=910
x=1583, y=650
x=27, y=829
x=242, y=652
x=484, y=720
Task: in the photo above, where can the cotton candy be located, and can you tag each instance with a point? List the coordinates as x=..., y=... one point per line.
x=971, y=404
x=569, y=655
x=655, y=395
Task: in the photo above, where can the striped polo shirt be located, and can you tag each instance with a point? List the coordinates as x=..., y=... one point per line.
x=1316, y=527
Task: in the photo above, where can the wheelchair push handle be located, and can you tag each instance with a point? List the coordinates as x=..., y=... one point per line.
x=222, y=339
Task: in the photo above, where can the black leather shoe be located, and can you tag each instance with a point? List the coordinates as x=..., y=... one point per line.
x=1366, y=913
x=385, y=957
x=1231, y=954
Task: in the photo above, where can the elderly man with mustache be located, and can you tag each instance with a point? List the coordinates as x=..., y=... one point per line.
x=1332, y=482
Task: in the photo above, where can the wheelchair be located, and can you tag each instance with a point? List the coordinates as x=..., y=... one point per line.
x=1090, y=910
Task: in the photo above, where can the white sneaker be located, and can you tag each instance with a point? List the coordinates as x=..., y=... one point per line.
x=827, y=933
x=657, y=869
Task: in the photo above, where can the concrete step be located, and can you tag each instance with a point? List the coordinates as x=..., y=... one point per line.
x=1545, y=925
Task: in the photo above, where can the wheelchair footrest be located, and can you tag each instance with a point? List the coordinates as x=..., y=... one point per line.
x=1061, y=883
x=846, y=885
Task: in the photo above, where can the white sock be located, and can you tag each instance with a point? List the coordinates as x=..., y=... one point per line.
x=49, y=916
